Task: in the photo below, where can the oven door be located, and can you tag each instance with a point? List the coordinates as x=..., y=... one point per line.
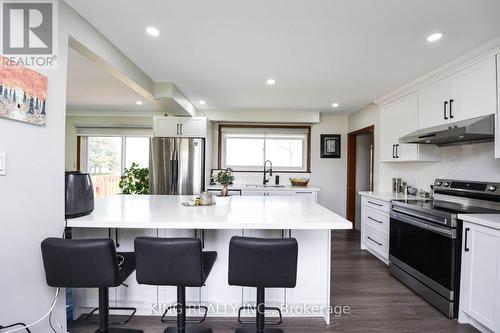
x=424, y=250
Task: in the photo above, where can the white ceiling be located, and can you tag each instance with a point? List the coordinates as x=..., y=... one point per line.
x=319, y=51
x=91, y=88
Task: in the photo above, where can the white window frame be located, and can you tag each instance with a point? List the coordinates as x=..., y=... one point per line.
x=287, y=132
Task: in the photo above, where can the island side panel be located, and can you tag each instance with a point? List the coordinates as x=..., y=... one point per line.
x=313, y=274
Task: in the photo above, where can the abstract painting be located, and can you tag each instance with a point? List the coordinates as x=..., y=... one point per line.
x=23, y=93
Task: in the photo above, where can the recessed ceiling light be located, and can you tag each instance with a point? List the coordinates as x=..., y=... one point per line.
x=271, y=81
x=139, y=102
x=434, y=37
x=152, y=31
x=202, y=102
x=335, y=105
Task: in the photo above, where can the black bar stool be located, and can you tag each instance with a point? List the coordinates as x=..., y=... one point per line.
x=262, y=263
x=176, y=262
x=88, y=263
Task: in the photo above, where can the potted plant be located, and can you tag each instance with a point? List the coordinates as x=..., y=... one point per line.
x=135, y=180
x=225, y=178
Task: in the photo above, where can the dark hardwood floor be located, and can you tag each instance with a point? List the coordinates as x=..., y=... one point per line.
x=377, y=301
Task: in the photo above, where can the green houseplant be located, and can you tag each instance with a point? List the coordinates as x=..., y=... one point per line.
x=135, y=180
x=225, y=178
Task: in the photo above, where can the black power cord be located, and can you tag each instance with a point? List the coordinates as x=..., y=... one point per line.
x=16, y=324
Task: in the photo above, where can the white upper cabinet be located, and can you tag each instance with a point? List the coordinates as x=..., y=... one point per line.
x=193, y=126
x=474, y=91
x=188, y=127
x=398, y=119
x=467, y=94
x=433, y=103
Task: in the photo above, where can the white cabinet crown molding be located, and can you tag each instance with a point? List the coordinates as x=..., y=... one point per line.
x=489, y=49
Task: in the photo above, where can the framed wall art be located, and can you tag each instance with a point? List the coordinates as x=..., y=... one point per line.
x=330, y=145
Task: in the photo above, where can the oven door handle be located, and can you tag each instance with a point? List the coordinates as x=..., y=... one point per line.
x=420, y=216
x=450, y=233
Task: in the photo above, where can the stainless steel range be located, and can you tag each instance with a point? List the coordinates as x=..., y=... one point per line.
x=426, y=238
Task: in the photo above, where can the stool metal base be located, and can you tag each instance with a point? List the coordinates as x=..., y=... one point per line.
x=254, y=330
x=120, y=330
x=190, y=329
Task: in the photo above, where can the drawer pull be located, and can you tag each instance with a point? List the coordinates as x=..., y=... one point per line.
x=379, y=244
x=371, y=218
x=376, y=204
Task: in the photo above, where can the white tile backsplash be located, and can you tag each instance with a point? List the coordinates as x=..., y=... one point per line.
x=467, y=162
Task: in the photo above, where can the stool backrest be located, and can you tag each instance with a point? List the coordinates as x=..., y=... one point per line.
x=169, y=261
x=80, y=263
x=263, y=262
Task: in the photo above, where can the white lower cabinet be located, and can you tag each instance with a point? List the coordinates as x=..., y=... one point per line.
x=375, y=221
x=312, y=195
x=480, y=278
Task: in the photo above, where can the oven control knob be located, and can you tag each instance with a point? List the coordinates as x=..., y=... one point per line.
x=439, y=183
x=446, y=184
x=492, y=188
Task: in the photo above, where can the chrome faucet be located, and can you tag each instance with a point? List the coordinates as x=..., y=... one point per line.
x=270, y=170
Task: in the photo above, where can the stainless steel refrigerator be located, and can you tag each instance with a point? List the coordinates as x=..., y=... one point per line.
x=176, y=166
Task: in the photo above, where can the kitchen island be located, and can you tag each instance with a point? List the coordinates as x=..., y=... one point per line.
x=125, y=217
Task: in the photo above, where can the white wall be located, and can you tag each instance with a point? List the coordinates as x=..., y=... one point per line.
x=330, y=174
x=32, y=203
x=368, y=116
x=468, y=162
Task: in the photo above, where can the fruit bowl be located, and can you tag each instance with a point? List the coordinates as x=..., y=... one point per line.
x=302, y=182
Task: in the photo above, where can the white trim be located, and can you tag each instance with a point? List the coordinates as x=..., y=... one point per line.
x=90, y=113
x=136, y=131
x=489, y=49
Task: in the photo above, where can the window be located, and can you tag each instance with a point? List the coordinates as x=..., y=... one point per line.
x=245, y=148
x=105, y=157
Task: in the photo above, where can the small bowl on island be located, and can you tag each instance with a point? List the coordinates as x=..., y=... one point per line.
x=299, y=182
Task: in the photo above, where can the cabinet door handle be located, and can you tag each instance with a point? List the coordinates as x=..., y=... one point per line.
x=466, y=248
x=177, y=129
x=180, y=126
x=393, y=151
x=444, y=110
x=374, y=203
x=379, y=244
x=371, y=218
x=397, y=154
x=451, y=110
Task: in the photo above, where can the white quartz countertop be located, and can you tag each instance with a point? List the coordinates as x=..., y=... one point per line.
x=388, y=196
x=488, y=220
x=257, y=187
x=238, y=212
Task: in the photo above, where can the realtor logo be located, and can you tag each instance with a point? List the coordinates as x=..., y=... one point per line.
x=28, y=32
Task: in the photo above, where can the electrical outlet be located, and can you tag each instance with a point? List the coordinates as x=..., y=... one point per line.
x=3, y=164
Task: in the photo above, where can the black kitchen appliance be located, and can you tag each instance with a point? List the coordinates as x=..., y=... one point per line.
x=425, y=242
x=79, y=194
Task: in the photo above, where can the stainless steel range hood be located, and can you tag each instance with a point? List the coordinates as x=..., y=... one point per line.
x=481, y=129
